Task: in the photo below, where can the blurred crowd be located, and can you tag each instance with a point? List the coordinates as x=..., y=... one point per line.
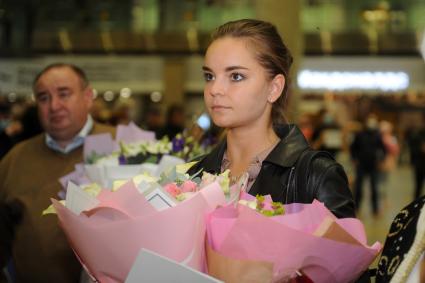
x=374, y=146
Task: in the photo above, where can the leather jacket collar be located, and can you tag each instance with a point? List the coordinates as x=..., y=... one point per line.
x=285, y=154
x=292, y=144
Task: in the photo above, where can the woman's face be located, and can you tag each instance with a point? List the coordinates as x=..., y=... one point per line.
x=237, y=87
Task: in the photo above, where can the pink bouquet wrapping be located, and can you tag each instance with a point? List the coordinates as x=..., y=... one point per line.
x=108, y=237
x=246, y=246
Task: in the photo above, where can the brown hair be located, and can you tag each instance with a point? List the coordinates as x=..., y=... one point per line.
x=270, y=51
x=77, y=70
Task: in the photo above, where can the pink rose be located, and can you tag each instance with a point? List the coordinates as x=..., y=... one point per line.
x=189, y=186
x=172, y=189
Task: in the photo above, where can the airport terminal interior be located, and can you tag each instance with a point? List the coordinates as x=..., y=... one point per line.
x=353, y=61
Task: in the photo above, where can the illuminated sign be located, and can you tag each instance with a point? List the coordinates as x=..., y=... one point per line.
x=340, y=81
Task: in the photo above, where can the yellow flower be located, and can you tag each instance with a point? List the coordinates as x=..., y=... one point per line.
x=51, y=209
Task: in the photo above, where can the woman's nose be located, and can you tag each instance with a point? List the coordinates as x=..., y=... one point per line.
x=216, y=88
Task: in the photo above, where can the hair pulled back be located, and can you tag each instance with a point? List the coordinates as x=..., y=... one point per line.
x=269, y=49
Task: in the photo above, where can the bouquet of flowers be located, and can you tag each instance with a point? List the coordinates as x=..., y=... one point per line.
x=107, y=229
x=135, y=146
x=134, y=151
x=182, y=186
x=244, y=245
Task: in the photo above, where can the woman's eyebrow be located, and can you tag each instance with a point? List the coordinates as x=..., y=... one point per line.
x=232, y=68
x=228, y=69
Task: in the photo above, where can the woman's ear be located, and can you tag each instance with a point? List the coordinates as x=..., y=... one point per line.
x=276, y=87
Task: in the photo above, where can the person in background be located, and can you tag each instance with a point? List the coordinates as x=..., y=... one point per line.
x=403, y=254
x=175, y=122
x=20, y=129
x=367, y=152
x=392, y=148
x=12, y=127
x=153, y=120
x=327, y=134
x=30, y=124
x=123, y=112
x=5, y=139
x=415, y=137
x=29, y=176
x=100, y=111
x=306, y=126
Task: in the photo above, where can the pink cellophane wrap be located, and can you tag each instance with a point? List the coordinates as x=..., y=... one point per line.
x=102, y=144
x=108, y=238
x=307, y=238
x=131, y=133
x=105, y=144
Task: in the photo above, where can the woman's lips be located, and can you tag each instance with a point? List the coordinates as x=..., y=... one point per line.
x=219, y=107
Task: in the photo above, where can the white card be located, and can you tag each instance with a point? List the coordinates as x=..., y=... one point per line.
x=78, y=200
x=160, y=200
x=152, y=267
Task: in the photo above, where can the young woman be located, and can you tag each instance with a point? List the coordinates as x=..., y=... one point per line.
x=246, y=72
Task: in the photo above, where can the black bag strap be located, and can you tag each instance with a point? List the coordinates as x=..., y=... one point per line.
x=302, y=168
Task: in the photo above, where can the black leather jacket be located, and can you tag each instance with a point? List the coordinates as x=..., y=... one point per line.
x=327, y=181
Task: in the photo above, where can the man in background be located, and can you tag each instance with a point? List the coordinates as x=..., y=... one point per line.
x=367, y=152
x=415, y=137
x=327, y=135
x=29, y=176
